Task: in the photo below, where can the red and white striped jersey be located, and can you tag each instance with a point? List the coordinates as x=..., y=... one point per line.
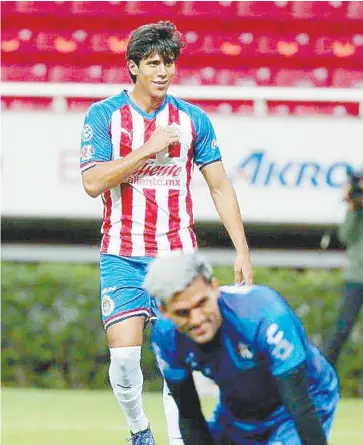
x=151, y=213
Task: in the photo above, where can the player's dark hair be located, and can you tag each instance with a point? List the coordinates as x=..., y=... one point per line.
x=160, y=38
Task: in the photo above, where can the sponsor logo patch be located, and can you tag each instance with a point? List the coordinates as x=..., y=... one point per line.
x=87, y=151
x=214, y=144
x=87, y=133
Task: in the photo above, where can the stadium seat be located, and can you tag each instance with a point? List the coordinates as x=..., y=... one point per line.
x=344, y=78
x=244, y=43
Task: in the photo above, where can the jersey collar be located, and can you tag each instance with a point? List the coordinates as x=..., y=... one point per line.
x=142, y=112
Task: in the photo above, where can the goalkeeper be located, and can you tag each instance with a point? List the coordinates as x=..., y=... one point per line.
x=276, y=388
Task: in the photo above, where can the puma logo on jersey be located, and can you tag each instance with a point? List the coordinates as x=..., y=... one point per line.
x=129, y=134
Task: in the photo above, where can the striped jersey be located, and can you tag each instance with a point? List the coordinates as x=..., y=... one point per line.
x=151, y=213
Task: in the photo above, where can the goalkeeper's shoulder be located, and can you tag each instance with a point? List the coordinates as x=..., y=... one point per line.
x=163, y=333
x=162, y=326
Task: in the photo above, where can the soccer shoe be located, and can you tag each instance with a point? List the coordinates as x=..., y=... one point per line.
x=144, y=437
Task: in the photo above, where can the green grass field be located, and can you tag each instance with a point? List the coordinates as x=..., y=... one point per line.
x=52, y=417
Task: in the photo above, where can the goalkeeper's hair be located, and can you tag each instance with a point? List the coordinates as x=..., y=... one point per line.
x=160, y=38
x=173, y=273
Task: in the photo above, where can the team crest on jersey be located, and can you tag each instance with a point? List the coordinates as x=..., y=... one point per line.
x=244, y=352
x=107, y=306
x=87, y=133
x=87, y=151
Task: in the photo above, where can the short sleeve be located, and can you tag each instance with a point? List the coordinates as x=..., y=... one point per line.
x=281, y=339
x=96, y=145
x=206, y=149
x=163, y=346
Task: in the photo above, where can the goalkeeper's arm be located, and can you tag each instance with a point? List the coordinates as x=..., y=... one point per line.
x=192, y=424
x=293, y=388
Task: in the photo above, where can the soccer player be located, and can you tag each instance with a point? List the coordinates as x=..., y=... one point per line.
x=276, y=388
x=138, y=152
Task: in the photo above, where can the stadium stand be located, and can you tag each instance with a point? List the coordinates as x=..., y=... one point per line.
x=289, y=44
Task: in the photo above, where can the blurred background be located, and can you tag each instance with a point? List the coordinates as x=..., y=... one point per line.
x=283, y=84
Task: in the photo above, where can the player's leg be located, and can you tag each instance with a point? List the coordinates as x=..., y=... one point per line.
x=220, y=435
x=221, y=429
x=348, y=313
x=125, y=306
x=125, y=339
x=172, y=417
x=170, y=407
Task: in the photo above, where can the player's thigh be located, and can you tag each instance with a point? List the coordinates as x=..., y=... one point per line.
x=128, y=332
x=125, y=305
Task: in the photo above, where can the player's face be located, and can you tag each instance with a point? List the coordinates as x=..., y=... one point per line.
x=195, y=311
x=154, y=75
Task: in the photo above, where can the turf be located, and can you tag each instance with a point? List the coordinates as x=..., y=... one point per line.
x=56, y=417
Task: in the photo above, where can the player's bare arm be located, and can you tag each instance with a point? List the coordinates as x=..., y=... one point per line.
x=226, y=203
x=106, y=175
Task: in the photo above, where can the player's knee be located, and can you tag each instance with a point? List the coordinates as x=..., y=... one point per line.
x=126, y=381
x=125, y=369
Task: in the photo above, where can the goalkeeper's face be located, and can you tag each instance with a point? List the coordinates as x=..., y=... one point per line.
x=154, y=75
x=195, y=310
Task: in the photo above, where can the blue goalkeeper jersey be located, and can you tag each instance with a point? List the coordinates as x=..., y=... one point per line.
x=261, y=338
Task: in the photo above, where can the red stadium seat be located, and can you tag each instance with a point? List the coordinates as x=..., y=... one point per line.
x=354, y=10
x=30, y=73
x=344, y=78
x=244, y=43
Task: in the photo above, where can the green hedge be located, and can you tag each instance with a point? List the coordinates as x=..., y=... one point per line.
x=52, y=335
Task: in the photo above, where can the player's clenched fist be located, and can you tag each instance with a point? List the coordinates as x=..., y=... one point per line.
x=161, y=139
